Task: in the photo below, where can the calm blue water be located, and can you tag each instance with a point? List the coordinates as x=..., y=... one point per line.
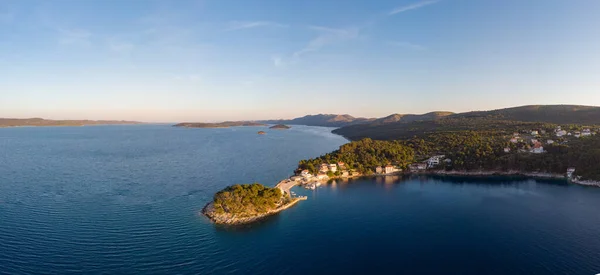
x=125, y=199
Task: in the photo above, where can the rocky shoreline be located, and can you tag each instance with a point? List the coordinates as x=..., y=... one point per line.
x=538, y=175
x=228, y=219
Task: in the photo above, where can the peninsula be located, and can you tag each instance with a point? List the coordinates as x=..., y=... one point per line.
x=245, y=203
x=225, y=124
x=21, y=122
x=280, y=127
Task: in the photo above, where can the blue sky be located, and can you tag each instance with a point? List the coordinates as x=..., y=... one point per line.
x=212, y=60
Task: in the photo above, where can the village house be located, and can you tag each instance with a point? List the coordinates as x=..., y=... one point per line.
x=569, y=134
x=378, y=170
x=543, y=132
x=514, y=140
x=506, y=150
x=577, y=134
x=345, y=174
x=534, y=133
x=586, y=133
x=341, y=165
x=561, y=133
x=305, y=173
x=324, y=168
x=515, y=134
x=537, y=148
x=534, y=141
x=333, y=167
x=389, y=169
x=435, y=160
x=321, y=176
x=550, y=141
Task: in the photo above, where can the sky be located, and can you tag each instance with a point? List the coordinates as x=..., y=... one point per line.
x=215, y=60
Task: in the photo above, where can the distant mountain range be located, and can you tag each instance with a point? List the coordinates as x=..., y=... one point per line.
x=326, y=120
x=15, y=122
x=396, y=127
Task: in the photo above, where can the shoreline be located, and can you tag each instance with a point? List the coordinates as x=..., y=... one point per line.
x=232, y=220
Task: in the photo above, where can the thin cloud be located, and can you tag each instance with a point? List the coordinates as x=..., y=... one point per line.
x=241, y=25
x=327, y=36
x=411, y=7
x=408, y=45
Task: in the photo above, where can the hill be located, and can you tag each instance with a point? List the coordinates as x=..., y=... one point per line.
x=326, y=120
x=410, y=117
x=16, y=122
x=524, y=117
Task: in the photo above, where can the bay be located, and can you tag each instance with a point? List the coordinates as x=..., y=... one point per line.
x=125, y=200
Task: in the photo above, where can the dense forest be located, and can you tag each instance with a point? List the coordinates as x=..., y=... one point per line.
x=247, y=199
x=467, y=151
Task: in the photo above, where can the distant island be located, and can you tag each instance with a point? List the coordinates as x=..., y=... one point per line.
x=244, y=203
x=21, y=122
x=225, y=124
x=261, y=132
x=280, y=127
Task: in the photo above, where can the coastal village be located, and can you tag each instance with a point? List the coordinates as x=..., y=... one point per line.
x=526, y=141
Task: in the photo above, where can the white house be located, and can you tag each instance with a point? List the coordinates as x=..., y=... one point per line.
x=324, y=168
x=435, y=160
x=333, y=167
x=341, y=165
x=418, y=166
x=577, y=134
x=586, y=133
x=378, y=170
x=506, y=150
x=534, y=133
x=389, y=169
x=550, y=141
x=514, y=140
x=534, y=141
x=561, y=133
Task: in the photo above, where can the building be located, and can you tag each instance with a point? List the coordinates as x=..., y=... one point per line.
x=550, y=141
x=345, y=174
x=506, y=150
x=543, y=132
x=389, y=169
x=537, y=148
x=561, y=133
x=378, y=170
x=333, y=167
x=324, y=168
x=577, y=134
x=534, y=133
x=514, y=140
x=534, y=141
x=586, y=133
x=322, y=176
x=341, y=165
x=570, y=172
x=418, y=167
x=434, y=161
x=515, y=134
x=305, y=173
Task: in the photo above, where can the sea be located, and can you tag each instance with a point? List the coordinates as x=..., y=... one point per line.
x=126, y=200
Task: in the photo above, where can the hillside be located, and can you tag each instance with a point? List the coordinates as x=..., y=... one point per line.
x=559, y=114
x=525, y=117
x=326, y=120
x=410, y=117
x=16, y=122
